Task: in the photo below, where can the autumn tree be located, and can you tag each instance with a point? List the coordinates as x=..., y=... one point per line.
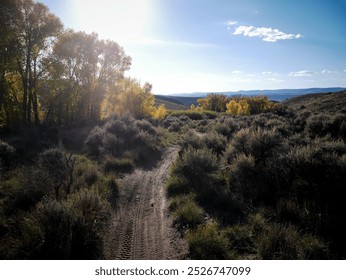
x=8, y=52
x=85, y=69
x=238, y=106
x=160, y=112
x=214, y=102
x=260, y=104
x=129, y=97
x=36, y=28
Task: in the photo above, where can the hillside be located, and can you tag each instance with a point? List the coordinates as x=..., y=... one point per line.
x=275, y=95
x=170, y=103
x=332, y=102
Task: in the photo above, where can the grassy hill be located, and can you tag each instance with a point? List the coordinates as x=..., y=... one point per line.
x=175, y=102
x=170, y=103
x=332, y=102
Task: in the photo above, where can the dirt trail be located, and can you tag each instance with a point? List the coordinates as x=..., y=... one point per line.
x=141, y=226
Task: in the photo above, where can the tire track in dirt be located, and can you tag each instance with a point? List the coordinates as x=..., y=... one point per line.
x=141, y=227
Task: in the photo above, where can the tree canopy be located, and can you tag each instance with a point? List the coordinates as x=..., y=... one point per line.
x=53, y=75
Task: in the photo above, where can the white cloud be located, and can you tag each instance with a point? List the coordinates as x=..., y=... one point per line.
x=276, y=80
x=267, y=33
x=329, y=72
x=304, y=73
x=237, y=72
x=231, y=22
x=266, y=73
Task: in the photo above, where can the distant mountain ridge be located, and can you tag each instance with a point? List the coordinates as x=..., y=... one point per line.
x=276, y=95
x=265, y=92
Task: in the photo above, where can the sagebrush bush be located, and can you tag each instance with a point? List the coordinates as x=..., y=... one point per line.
x=188, y=214
x=196, y=163
x=118, y=165
x=191, y=139
x=94, y=141
x=316, y=125
x=284, y=242
x=215, y=142
x=199, y=168
x=23, y=188
x=193, y=115
x=208, y=243
x=177, y=185
x=243, y=175
x=57, y=168
x=288, y=211
x=261, y=144
x=8, y=156
x=92, y=213
x=121, y=136
x=146, y=126
x=57, y=222
x=179, y=200
x=240, y=238
x=227, y=126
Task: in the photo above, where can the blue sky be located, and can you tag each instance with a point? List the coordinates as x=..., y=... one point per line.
x=183, y=46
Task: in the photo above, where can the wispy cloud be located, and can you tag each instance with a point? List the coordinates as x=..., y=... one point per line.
x=303, y=73
x=237, y=72
x=267, y=33
x=329, y=72
x=231, y=22
x=276, y=80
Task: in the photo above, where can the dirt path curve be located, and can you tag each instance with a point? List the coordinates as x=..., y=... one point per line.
x=141, y=226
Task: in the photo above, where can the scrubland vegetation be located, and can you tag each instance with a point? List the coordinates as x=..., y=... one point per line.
x=262, y=186
x=253, y=180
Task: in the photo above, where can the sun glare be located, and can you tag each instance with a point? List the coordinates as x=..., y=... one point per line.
x=120, y=20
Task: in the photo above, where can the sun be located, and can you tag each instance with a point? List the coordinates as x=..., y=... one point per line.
x=119, y=20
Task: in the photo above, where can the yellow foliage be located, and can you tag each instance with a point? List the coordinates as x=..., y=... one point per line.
x=129, y=97
x=245, y=107
x=160, y=112
x=249, y=105
x=233, y=108
x=214, y=102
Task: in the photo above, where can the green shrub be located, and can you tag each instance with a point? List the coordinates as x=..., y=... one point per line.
x=118, y=165
x=193, y=114
x=208, y=243
x=240, y=238
x=286, y=243
x=121, y=136
x=146, y=126
x=261, y=144
x=91, y=175
x=113, y=188
x=179, y=200
x=195, y=164
x=8, y=157
x=227, y=126
x=188, y=214
x=288, y=211
x=94, y=141
x=92, y=213
x=199, y=169
x=191, y=139
x=57, y=221
x=216, y=143
x=177, y=186
x=243, y=175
